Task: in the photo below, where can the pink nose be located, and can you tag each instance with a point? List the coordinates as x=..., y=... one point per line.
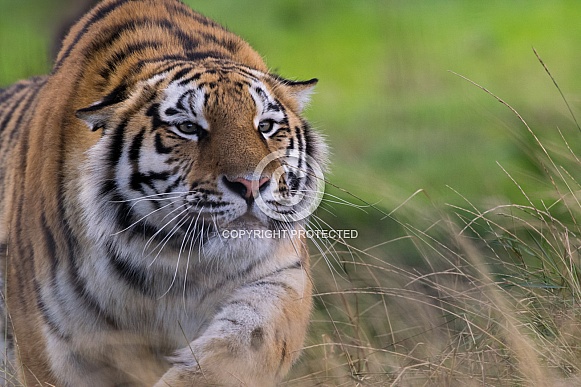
x=246, y=188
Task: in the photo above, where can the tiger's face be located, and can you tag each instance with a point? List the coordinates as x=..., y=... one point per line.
x=200, y=149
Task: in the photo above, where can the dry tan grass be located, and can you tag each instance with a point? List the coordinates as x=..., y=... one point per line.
x=477, y=319
x=497, y=302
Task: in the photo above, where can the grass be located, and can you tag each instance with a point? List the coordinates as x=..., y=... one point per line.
x=466, y=270
x=493, y=301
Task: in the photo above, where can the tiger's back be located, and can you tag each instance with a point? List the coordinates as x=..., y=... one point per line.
x=122, y=170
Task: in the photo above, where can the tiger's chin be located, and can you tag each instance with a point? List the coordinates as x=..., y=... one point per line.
x=247, y=221
x=245, y=238
x=240, y=246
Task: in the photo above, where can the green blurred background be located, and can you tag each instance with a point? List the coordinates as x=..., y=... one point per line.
x=396, y=118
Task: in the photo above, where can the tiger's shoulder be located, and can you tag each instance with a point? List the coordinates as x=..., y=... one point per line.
x=17, y=105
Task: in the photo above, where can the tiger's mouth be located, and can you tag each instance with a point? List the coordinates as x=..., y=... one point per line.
x=232, y=234
x=247, y=221
x=205, y=225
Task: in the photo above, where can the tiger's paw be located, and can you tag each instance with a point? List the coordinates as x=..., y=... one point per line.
x=214, y=362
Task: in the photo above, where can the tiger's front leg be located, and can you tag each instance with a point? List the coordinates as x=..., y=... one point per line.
x=253, y=340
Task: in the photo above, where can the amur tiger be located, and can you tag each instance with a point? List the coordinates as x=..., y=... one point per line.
x=121, y=173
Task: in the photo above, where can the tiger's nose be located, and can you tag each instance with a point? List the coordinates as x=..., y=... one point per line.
x=246, y=188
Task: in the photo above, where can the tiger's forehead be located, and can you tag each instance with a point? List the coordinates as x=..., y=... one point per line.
x=186, y=92
x=212, y=73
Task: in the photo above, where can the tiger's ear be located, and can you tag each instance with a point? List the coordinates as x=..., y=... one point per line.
x=300, y=91
x=99, y=113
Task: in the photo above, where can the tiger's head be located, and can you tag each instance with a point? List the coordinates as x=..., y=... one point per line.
x=198, y=149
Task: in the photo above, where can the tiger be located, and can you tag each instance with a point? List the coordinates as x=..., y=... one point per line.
x=125, y=173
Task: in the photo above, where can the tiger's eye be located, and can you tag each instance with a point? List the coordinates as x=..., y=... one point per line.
x=265, y=126
x=189, y=127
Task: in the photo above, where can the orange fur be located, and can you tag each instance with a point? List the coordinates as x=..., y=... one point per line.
x=116, y=168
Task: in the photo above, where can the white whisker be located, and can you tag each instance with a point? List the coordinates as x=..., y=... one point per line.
x=152, y=197
x=144, y=217
x=170, y=234
x=152, y=238
x=184, y=242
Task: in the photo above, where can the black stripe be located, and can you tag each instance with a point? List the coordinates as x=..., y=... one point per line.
x=21, y=258
x=171, y=111
x=180, y=73
x=50, y=243
x=273, y=107
x=282, y=133
x=200, y=55
x=228, y=42
x=134, y=152
x=181, y=105
x=109, y=191
x=135, y=277
x=153, y=112
x=109, y=187
x=135, y=148
x=161, y=176
x=138, y=278
x=309, y=140
x=278, y=284
x=116, y=147
x=244, y=71
x=130, y=51
x=8, y=93
x=160, y=147
x=206, y=191
x=182, y=9
x=190, y=79
x=79, y=285
x=301, y=146
x=167, y=62
x=52, y=325
x=13, y=107
x=139, y=179
x=110, y=34
x=288, y=82
x=174, y=185
x=24, y=108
